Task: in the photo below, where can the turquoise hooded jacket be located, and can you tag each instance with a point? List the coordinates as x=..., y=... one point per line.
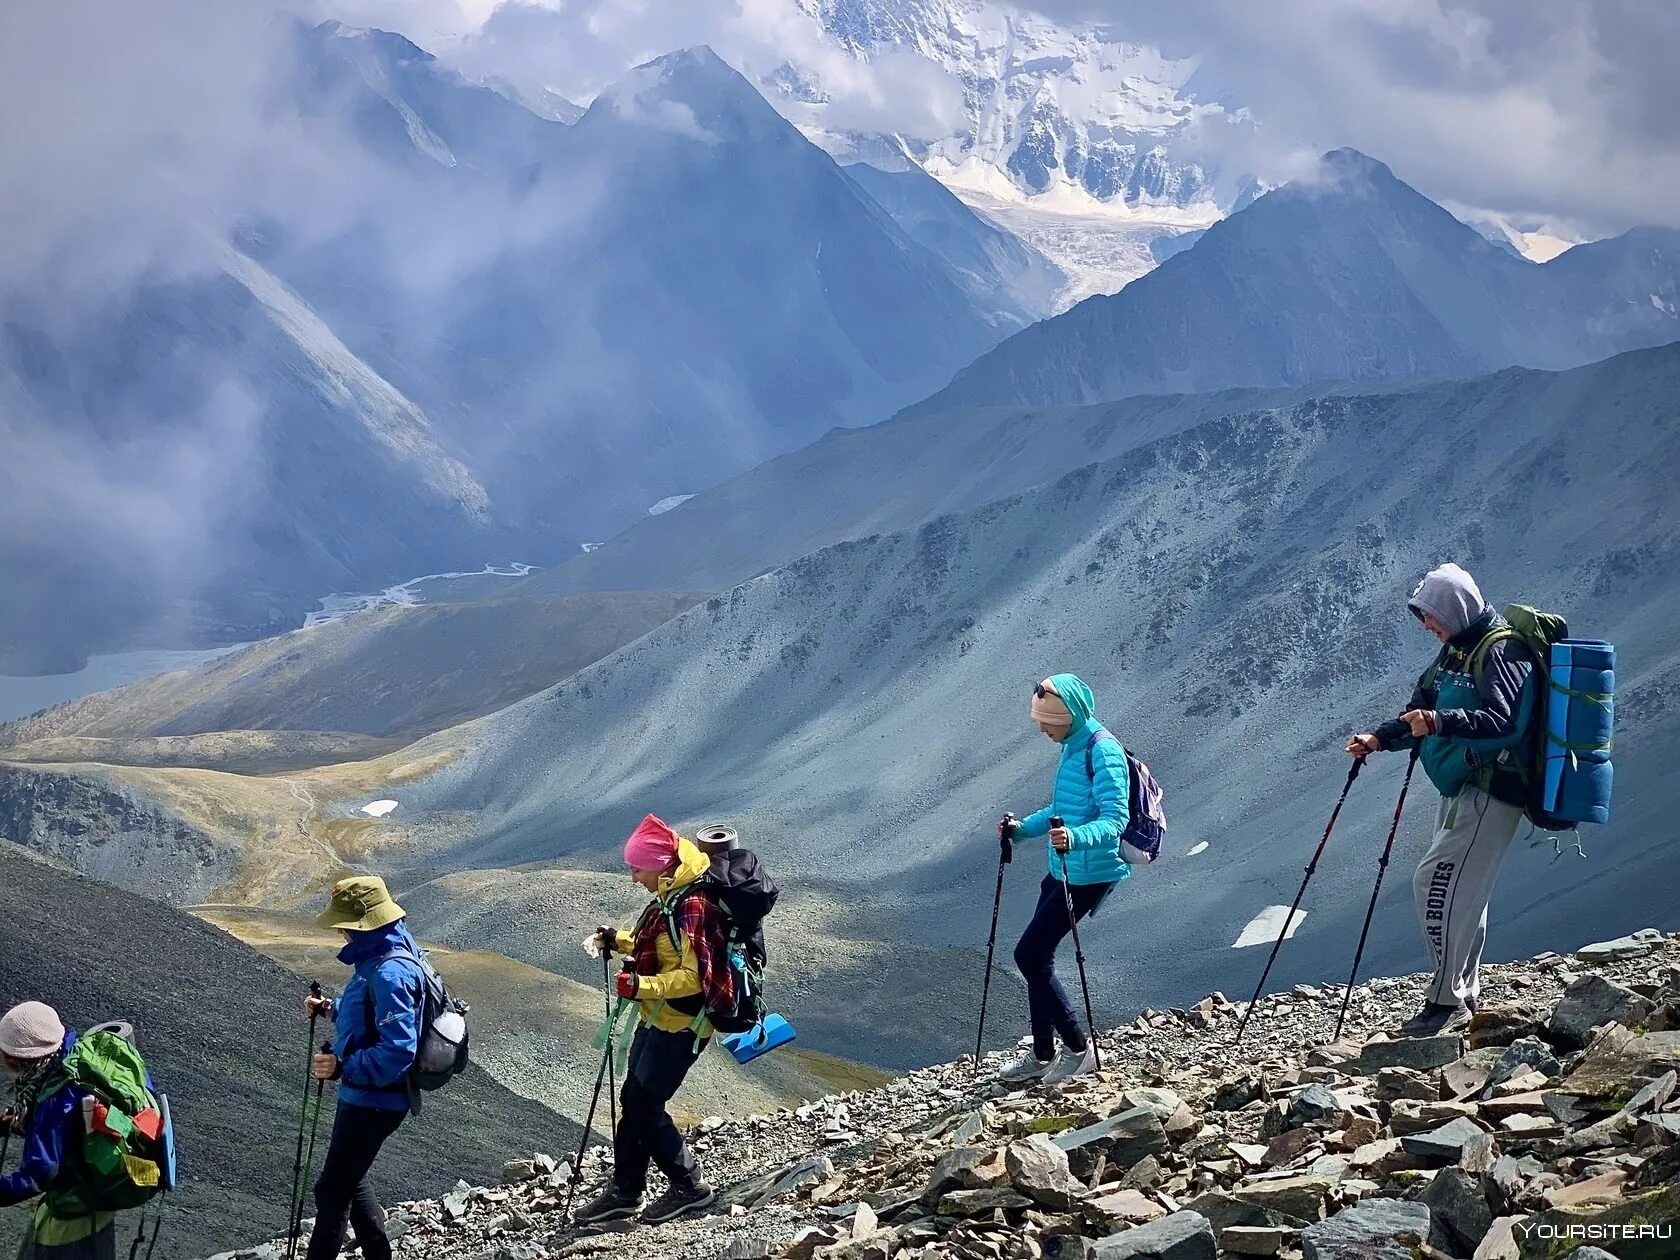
x=1097, y=808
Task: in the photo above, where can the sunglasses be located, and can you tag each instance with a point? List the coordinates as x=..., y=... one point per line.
x=1040, y=691
x=1415, y=611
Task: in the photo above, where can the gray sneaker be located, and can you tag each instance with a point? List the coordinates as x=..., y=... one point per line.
x=1072, y=1063
x=1029, y=1067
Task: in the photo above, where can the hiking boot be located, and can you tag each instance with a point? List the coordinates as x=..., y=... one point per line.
x=679, y=1201
x=614, y=1205
x=1072, y=1063
x=1436, y=1020
x=1029, y=1067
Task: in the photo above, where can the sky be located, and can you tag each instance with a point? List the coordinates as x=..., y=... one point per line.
x=1552, y=112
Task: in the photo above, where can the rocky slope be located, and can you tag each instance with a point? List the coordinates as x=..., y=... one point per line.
x=1555, y=1120
x=221, y=1028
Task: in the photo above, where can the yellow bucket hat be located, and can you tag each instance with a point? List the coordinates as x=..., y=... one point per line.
x=361, y=904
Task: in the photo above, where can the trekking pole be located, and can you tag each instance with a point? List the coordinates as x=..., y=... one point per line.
x=594, y=1102
x=303, y=1118
x=612, y=1084
x=309, y=1163
x=1005, y=854
x=1078, y=953
x=1312, y=866
x=1382, y=869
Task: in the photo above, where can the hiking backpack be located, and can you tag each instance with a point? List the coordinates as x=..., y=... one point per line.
x=1568, y=775
x=1146, y=822
x=126, y=1156
x=442, y=1054
x=737, y=884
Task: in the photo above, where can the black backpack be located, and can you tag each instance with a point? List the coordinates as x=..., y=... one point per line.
x=737, y=884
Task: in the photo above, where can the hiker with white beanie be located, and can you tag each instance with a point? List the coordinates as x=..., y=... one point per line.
x=45, y=1110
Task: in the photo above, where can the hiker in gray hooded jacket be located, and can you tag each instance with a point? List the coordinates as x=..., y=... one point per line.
x=1473, y=712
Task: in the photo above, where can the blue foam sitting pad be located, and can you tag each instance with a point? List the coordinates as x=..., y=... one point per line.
x=772, y=1031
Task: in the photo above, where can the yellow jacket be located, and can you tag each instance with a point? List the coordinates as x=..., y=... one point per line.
x=679, y=972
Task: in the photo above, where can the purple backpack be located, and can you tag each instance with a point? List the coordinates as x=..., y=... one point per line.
x=1146, y=825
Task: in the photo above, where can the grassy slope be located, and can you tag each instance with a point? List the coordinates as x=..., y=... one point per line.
x=344, y=689
x=221, y=1028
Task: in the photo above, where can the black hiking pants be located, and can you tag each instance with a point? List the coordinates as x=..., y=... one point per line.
x=659, y=1061
x=342, y=1193
x=1035, y=956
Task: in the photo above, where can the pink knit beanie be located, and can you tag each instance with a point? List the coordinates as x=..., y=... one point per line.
x=652, y=846
x=31, y=1030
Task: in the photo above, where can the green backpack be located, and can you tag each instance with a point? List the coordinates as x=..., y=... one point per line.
x=1536, y=631
x=126, y=1153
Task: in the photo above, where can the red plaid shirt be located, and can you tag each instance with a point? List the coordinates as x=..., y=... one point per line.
x=696, y=918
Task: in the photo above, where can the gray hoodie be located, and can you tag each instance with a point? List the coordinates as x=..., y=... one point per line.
x=1450, y=595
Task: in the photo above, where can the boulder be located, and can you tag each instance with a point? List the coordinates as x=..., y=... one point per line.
x=1458, y=1209
x=964, y=1168
x=1651, y=1209
x=980, y=1202
x=1224, y=1210
x=1445, y=1143
x=1312, y=1104
x=1395, y=1083
x=1298, y=1198
x=1122, y=1139
x=1590, y=1001
x=1038, y=1168
x=1252, y=1240
x=1181, y=1236
x=1419, y=1053
x=1501, y=1025
x=1636, y=945
x=1527, y=1054
x=1376, y=1229
x=1500, y=1242
x=1121, y=1208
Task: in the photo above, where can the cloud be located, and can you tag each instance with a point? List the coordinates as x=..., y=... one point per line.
x=1548, y=112
x=578, y=47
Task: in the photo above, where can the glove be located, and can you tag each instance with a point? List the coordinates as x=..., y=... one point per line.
x=603, y=940
x=627, y=984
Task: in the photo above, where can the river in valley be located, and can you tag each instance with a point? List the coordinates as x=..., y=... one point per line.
x=24, y=694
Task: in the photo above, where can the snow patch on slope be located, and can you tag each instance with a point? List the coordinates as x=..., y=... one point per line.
x=1264, y=927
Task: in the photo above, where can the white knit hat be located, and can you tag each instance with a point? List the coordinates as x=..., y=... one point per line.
x=31, y=1030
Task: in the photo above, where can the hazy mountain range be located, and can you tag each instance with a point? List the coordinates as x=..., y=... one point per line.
x=533, y=332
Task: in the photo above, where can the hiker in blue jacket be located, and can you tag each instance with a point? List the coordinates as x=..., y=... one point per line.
x=46, y=1113
x=1092, y=798
x=377, y=1021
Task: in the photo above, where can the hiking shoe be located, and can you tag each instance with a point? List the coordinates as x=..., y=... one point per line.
x=1072, y=1063
x=679, y=1201
x=1436, y=1020
x=614, y=1205
x=1029, y=1067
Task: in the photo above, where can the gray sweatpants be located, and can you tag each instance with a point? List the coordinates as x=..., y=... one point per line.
x=1454, y=884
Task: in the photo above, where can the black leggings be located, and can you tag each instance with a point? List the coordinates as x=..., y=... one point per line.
x=342, y=1193
x=1035, y=955
x=658, y=1062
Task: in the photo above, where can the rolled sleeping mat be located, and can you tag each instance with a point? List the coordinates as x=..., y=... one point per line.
x=1580, y=723
x=715, y=838
x=772, y=1031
